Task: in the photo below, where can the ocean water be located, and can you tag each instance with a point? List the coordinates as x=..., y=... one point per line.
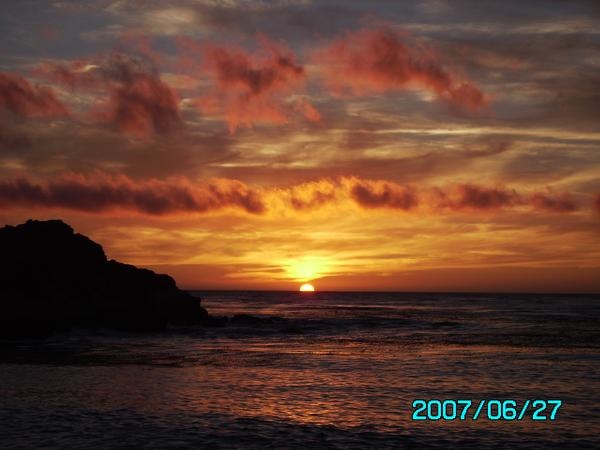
x=322, y=370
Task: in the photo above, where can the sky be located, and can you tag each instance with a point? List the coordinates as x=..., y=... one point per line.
x=381, y=145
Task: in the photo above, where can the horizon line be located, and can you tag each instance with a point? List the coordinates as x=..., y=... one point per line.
x=395, y=292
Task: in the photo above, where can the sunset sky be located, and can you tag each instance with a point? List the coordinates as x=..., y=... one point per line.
x=412, y=146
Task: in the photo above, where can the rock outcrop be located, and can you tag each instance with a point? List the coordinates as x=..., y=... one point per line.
x=54, y=279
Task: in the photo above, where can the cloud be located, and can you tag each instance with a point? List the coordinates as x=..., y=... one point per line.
x=11, y=139
x=377, y=60
x=305, y=108
x=143, y=106
x=21, y=98
x=250, y=88
x=382, y=194
x=290, y=19
x=472, y=196
x=312, y=195
x=476, y=197
x=367, y=194
x=562, y=202
x=138, y=101
x=100, y=193
x=386, y=194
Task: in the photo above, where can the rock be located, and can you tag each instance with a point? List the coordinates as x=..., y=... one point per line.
x=54, y=279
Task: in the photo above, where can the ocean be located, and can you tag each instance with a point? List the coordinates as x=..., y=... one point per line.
x=319, y=370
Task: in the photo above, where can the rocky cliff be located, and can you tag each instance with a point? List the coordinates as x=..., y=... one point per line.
x=52, y=278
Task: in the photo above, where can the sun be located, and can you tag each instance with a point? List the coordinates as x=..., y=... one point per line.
x=307, y=287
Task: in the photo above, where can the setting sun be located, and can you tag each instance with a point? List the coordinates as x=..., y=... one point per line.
x=307, y=287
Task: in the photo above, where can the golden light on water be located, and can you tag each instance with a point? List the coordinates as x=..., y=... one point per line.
x=307, y=287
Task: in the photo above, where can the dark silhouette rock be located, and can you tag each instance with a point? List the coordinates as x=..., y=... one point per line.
x=54, y=279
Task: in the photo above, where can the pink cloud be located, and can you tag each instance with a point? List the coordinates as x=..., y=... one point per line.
x=23, y=99
x=378, y=60
x=250, y=88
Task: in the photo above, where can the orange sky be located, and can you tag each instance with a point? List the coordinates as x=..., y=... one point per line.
x=237, y=147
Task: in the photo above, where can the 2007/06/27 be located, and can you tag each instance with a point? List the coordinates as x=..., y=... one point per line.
x=496, y=409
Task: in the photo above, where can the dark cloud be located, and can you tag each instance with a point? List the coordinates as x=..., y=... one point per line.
x=105, y=193
x=383, y=194
x=23, y=99
x=549, y=201
x=476, y=197
x=12, y=140
x=139, y=102
x=472, y=196
x=101, y=192
x=144, y=105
